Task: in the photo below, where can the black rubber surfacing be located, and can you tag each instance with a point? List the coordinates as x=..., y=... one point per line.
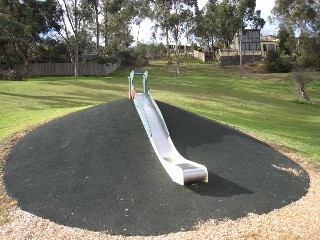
x=96, y=169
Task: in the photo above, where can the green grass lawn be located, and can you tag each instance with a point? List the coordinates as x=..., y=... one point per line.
x=265, y=107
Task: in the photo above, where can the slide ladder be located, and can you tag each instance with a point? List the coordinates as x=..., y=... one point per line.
x=179, y=169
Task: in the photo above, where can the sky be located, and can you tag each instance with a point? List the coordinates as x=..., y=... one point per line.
x=264, y=5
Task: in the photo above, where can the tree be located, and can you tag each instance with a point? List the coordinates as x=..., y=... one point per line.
x=76, y=14
x=219, y=21
x=94, y=6
x=287, y=40
x=141, y=11
x=226, y=22
x=118, y=17
x=308, y=51
x=110, y=7
x=304, y=17
x=246, y=15
x=52, y=50
x=178, y=22
x=216, y=22
x=150, y=50
x=108, y=20
x=206, y=28
x=11, y=30
x=32, y=19
x=161, y=15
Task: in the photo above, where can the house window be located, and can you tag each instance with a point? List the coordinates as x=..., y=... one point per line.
x=254, y=46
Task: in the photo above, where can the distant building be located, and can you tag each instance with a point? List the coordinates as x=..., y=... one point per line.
x=268, y=43
x=250, y=40
x=254, y=47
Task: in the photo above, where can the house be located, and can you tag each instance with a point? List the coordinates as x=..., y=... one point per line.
x=268, y=43
x=250, y=40
x=254, y=47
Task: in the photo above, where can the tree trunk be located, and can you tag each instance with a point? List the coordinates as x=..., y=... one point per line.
x=27, y=68
x=76, y=60
x=212, y=46
x=240, y=46
x=76, y=52
x=168, y=47
x=106, y=23
x=186, y=50
x=138, y=34
x=97, y=24
x=176, y=50
x=24, y=59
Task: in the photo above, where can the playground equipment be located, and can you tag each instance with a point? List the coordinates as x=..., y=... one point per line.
x=179, y=169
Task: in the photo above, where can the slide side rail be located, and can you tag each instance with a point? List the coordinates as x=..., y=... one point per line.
x=160, y=114
x=143, y=116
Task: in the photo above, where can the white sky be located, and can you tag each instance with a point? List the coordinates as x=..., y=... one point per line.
x=264, y=5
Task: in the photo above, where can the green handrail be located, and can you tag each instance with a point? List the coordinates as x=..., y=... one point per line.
x=139, y=107
x=131, y=84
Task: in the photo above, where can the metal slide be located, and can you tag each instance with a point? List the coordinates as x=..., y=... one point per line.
x=180, y=169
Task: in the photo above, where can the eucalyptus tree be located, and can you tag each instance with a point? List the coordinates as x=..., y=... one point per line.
x=161, y=15
x=95, y=6
x=227, y=23
x=173, y=16
x=220, y=20
x=77, y=14
x=205, y=25
x=142, y=10
x=109, y=8
x=287, y=40
x=28, y=21
x=118, y=16
x=210, y=24
x=11, y=31
x=304, y=17
x=179, y=18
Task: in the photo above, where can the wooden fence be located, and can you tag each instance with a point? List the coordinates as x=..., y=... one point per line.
x=66, y=69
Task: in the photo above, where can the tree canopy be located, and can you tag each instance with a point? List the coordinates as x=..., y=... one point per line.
x=24, y=23
x=100, y=30
x=302, y=15
x=219, y=21
x=300, y=18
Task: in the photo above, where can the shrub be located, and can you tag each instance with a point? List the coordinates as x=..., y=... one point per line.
x=127, y=58
x=11, y=75
x=276, y=62
x=272, y=67
x=142, y=61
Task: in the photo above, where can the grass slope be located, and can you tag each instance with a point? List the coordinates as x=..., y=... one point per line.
x=266, y=107
x=35, y=100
